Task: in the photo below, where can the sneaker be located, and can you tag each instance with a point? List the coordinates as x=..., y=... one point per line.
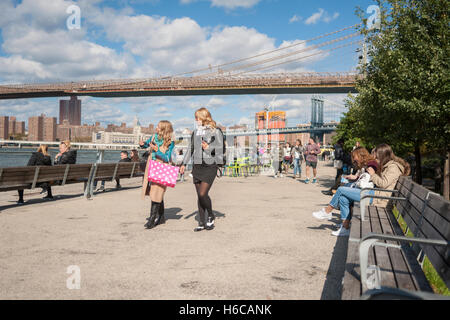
x=199, y=228
x=190, y=175
x=322, y=215
x=48, y=197
x=281, y=175
x=118, y=186
x=210, y=224
x=314, y=180
x=327, y=192
x=20, y=202
x=307, y=181
x=102, y=188
x=341, y=232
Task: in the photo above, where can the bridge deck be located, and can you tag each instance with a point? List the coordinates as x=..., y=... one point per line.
x=295, y=83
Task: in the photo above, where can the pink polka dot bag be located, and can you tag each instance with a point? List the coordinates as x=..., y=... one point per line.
x=163, y=173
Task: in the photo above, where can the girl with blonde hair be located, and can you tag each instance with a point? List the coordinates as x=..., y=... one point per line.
x=66, y=155
x=207, y=150
x=161, y=146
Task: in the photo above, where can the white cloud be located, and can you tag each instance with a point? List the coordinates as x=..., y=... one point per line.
x=40, y=48
x=228, y=4
x=295, y=18
x=321, y=16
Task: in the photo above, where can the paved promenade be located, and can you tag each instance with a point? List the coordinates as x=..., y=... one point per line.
x=266, y=244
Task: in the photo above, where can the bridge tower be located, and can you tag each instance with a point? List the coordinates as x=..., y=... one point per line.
x=317, y=104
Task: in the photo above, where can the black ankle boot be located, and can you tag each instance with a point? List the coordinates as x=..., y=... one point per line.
x=154, y=212
x=161, y=219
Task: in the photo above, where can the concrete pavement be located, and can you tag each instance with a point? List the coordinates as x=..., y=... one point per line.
x=266, y=244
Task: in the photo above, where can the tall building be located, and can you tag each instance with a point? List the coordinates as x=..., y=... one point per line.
x=271, y=120
x=36, y=128
x=70, y=110
x=49, y=128
x=12, y=126
x=4, y=127
x=20, y=127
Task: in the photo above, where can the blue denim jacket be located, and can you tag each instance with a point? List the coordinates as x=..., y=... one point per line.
x=166, y=156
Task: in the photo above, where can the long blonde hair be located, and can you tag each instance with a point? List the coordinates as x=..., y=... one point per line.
x=165, y=132
x=43, y=149
x=205, y=117
x=67, y=143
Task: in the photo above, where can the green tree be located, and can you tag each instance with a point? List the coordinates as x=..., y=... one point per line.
x=404, y=95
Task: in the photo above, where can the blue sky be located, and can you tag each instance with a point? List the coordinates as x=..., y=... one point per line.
x=146, y=38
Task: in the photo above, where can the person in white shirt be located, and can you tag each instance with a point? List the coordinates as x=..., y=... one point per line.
x=297, y=155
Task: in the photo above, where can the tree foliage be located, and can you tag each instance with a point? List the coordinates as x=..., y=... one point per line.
x=404, y=95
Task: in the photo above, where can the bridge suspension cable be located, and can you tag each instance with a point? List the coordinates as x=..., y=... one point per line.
x=265, y=53
x=299, y=58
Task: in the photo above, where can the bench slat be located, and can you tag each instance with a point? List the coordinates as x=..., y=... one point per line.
x=381, y=253
x=439, y=205
x=400, y=267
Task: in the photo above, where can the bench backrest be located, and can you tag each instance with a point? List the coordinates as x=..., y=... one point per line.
x=116, y=170
x=17, y=177
x=427, y=215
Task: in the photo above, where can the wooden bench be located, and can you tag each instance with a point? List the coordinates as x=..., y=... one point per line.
x=383, y=263
x=17, y=178
x=113, y=171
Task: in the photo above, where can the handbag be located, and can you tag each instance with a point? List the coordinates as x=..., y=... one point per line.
x=163, y=173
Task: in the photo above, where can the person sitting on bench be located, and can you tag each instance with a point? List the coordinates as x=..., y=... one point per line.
x=39, y=158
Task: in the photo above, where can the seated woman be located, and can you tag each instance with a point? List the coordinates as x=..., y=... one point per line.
x=345, y=196
x=39, y=158
x=66, y=155
x=391, y=168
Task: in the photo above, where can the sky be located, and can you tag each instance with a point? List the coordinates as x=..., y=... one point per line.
x=128, y=39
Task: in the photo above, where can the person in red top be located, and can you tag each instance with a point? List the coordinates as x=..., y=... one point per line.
x=311, y=152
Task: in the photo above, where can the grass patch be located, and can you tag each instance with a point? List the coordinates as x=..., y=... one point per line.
x=432, y=276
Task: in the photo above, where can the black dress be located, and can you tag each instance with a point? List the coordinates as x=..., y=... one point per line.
x=204, y=173
x=204, y=170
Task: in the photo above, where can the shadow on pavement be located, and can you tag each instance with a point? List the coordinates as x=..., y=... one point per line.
x=332, y=289
x=29, y=202
x=172, y=213
x=329, y=225
x=195, y=213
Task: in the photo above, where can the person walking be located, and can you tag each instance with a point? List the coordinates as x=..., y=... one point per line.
x=287, y=157
x=207, y=149
x=297, y=156
x=39, y=158
x=276, y=153
x=161, y=145
x=311, y=152
x=338, y=165
x=179, y=162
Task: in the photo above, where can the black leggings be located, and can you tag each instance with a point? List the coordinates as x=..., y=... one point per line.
x=204, y=202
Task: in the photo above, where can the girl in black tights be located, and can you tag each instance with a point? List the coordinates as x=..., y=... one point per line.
x=207, y=150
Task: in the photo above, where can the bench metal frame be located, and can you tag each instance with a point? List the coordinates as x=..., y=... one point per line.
x=370, y=275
